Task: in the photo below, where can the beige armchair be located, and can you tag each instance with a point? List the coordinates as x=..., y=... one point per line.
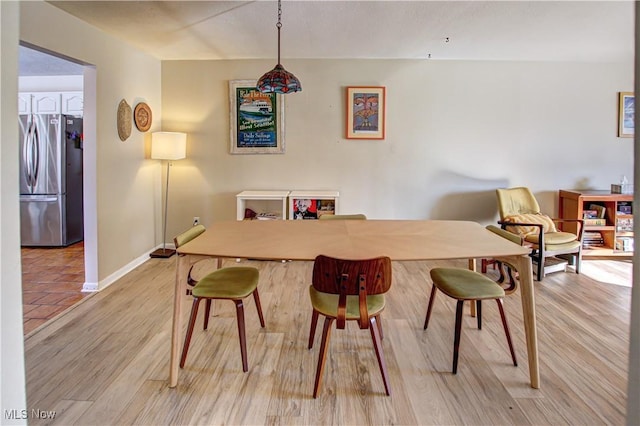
x=520, y=214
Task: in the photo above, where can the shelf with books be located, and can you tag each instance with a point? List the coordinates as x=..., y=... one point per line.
x=608, y=220
x=261, y=205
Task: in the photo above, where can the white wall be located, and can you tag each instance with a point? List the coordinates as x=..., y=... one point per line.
x=126, y=183
x=12, y=380
x=456, y=130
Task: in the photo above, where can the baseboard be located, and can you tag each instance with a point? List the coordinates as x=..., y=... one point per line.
x=89, y=287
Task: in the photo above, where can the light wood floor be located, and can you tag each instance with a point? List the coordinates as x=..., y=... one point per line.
x=106, y=360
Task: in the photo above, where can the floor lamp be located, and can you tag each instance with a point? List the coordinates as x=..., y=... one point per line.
x=167, y=146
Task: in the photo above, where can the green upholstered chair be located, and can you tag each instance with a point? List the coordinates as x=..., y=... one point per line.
x=463, y=284
x=349, y=290
x=342, y=217
x=520, y=214
x=231, y=283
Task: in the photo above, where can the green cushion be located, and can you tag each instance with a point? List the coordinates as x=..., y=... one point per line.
x=327, y=304
x=228, y=283
x=464, y=284
x=554, y=238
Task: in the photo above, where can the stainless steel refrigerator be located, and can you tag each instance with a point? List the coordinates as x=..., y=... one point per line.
x=50, y=180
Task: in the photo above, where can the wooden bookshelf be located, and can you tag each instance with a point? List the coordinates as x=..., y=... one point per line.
x=617, y=231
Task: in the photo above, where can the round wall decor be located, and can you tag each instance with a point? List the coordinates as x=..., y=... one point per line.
x=142, y=116
x=124, y=120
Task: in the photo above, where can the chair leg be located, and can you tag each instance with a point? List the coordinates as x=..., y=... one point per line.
x=431, y=299
x=540, y=274
x=207, y=313
x=506, y=331
x=379, y=322
x=256, y=299
x=456, y=338
x=241, y=333
x=326, y=334
x=377, y=345
x=479, y=313
x=314, y=323
x=578, y=261
x=187, y=337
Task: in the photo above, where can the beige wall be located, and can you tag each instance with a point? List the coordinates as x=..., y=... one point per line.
x=122, y=185
x=456, y=130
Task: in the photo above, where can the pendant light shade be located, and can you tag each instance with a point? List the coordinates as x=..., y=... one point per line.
x=279, y=80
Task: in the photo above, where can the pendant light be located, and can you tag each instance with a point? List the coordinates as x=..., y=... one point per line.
x=279, y=80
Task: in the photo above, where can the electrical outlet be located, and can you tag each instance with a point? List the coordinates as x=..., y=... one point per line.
x=196, y=220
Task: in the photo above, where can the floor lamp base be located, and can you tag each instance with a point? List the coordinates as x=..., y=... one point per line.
x=162, y=253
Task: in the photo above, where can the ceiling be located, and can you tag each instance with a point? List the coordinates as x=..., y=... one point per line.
x=438, y=30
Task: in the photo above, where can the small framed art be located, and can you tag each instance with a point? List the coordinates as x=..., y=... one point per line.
x=256, y=119
x=366, y=112
x=626, y=114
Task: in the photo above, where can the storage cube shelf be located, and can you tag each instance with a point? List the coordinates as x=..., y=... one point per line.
x=312, y=204
x=266, y=204
x=608, y=217
x=286, y=204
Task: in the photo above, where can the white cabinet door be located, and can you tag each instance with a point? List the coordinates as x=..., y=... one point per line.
x=24, y=103
x=72, y=103
x=46, y=103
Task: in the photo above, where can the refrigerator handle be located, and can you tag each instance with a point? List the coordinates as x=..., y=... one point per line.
x=35, y=159
x=27, y=149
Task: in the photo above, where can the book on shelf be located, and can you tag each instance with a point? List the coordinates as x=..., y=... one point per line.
x=624, y=244
x=601, y=210
x=625, y=207
x=595, y=222
x=592, y=239
x=590, y=214
x=624, y=225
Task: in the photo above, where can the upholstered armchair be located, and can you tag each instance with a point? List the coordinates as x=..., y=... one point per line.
x=520, y=214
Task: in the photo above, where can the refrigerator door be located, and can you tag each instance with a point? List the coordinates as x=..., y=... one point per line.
x=73, y=212
x=41, y=220
x=40, y=154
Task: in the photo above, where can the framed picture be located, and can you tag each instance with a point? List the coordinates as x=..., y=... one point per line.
x=366, y=112
x=256, y=119
x=626, y=114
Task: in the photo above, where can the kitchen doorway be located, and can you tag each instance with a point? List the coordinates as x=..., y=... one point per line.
x=58, y=241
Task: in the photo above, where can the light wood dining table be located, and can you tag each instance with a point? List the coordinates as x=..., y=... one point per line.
x=401, y=240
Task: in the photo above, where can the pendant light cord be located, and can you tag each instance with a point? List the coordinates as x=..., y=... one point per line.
x=278, y=26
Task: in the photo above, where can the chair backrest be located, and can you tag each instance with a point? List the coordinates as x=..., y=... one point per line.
x=515, y=201
x=188, y=235
x=349, y=278
x=343, y=217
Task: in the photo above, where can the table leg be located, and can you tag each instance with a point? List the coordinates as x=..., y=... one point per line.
x=176, y=331
x=523, y=266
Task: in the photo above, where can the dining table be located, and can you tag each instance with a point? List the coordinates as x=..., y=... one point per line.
x=400, y=240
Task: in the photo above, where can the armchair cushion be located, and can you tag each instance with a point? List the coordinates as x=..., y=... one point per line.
x=554, y=239
x=537, y=218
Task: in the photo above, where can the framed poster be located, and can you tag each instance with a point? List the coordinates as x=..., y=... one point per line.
x=366, y=112
x=626, y=114
x=256, y=119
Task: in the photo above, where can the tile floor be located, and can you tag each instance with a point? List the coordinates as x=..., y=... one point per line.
x=52, y=280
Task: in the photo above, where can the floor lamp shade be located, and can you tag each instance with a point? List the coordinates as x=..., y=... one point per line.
x=167, y=146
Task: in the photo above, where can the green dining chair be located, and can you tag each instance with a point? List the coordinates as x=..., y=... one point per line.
x=229, y=283
x=342, y=217
x=463, y=284
x=349, y=290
